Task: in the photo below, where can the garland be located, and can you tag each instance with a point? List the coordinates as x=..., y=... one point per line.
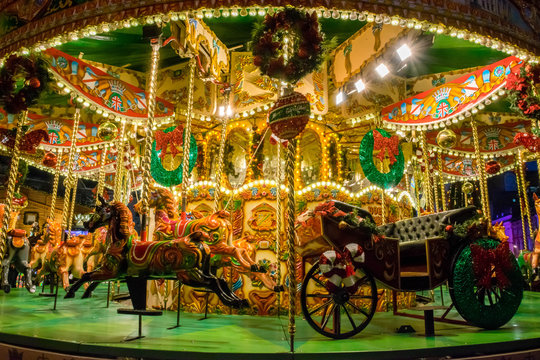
x=22, y=81
x=524, y=91
x=289, y=45
x=159, y=173
x=350, y=219
x=380, y=139
x=258, y=159
x=29, y=142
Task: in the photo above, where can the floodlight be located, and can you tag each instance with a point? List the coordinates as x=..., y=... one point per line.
x=404, y=52
x=382, y=70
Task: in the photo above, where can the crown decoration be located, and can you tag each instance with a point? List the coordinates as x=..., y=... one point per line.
x=442, y=94
x=117, y=87
x=492, y=132
x=54, y=125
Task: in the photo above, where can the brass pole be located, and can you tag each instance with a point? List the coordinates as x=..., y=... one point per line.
x=101, y=175
x=427, y=179
x=291, y=205
x=72, y=207
x=279, y=214
x=441, y=182
x=481, y=171
x=56, y=181
x=187, y=133
x=69, y=180
x=118, y=177
x=526, y=212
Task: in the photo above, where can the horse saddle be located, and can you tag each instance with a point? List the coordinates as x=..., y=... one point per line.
x=18, y=237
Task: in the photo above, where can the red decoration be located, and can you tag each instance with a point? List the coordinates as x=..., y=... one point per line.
x=524, y=91
x=49, y=159
x=386, y=145
x=489, y=262
x=34, y=82
x=172, y=140
x=29, y=142
x=274, y=140
x=289, y=116
x=530, y=141
x=493, y=167
x=449, y=228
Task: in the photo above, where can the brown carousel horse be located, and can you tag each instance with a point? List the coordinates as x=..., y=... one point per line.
x=52, y=235
x=169, y=225
x=185, y=259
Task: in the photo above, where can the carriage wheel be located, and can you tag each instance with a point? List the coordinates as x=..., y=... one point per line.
x=339, y=314
x=485, y=307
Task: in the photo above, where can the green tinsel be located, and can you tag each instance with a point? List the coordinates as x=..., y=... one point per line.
x=173, y=177
x=463, y=291
x=383, y=180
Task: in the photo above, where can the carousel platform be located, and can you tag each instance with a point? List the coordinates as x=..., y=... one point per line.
x=86, y=327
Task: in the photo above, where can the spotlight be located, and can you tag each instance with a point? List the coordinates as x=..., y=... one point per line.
x=360, y=86
x=382, y=70
x=404, y=52
x=339, y=97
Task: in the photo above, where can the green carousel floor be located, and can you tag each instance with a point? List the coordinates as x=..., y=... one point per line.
x=87, y=327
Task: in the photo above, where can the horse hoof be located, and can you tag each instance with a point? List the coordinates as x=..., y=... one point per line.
x=31, y=289
x=279, y=288
x=6, y=288
x=86, y=295
x=69, y=295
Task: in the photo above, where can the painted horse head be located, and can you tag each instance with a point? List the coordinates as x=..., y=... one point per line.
x=52, y=232
x=161, y=199
x=114, y=214
x=497, y=231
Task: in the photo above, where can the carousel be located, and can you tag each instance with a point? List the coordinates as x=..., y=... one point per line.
x=262, y=179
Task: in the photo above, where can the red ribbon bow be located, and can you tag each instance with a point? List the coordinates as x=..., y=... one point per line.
x=383, y=143
x=489, y=263
x=173, y=138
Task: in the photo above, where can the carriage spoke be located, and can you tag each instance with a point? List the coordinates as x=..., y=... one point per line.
x=337, y=319
x=358, y=309
x=324, y=305
x=489, y=297
x=323, y=296
x=360, y=297
x=323, y=325
x=350, y=317
x=318, y=281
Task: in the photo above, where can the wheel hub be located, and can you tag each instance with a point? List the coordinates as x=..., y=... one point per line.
x=341, y=296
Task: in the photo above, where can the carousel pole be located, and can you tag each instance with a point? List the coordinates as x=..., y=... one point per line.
x=279, y=211
x=101, y=175
x=187, y=134
x=291, y=205
x=72, y=206
x=221, y=155
x=12, y=180
x=441, y=182
x=522, y=190
x=69, y=180
x=149, y=135
x=427, y=179
x=436, y=206
x=56, y=181
x=383, y=209
x=481, y=170
x=118, y=178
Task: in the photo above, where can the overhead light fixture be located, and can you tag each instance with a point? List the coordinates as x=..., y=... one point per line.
x=382, y=70
x=339, y=97
x=360, y=86
x=404, y=52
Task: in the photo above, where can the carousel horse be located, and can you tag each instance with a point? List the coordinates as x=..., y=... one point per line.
x=45, y=244
x=528, y=260
x=170, y=225
x=186, y=259
x=18, y=251
x=93, y=248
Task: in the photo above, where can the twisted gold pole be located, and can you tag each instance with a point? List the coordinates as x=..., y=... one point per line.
x=101, y=175
x=291, y=205
x=149, y=136
x=12, y=181
x=279, y=225
x=56, y=181
x=72, y=206
x=221, y=161
x=441, y=182
x=383, y=209
x=526, y=212
x=187, y=133
x=118, y=177
x=481, y=171
x=427, y=179
x=68, y=181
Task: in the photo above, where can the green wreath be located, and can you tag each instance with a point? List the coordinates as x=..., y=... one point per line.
x=383, y=180
x=171, y=177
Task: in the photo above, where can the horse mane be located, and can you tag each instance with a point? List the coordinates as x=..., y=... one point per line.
x=121, y=214
x=168, y=202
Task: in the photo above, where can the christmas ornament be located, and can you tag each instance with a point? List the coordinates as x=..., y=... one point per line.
x=289, y=115
x=531, y=142
x=467, y=188
x=107, y=131
x=289, y=44
x=493, y=167
x=49, y=159
x=380, y=140
x=29, y=142
x=447, y=139
x=22, y=80
x=524, y=90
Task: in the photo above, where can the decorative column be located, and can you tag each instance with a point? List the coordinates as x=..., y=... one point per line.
x=291, y=206
x=441, y=181
x=279, y=226
x=69, y=180
x=187, y=133
x=56, y=181
x=101, y=175
x=481, y=170
x=149, y=135
x=219, y=169
x=383, y=208
x=523, y=199
x=12, y=180
x=427, y=179
x=72, y=206
x=119, y=176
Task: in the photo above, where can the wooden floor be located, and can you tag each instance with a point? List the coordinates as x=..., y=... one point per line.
x=87, y=327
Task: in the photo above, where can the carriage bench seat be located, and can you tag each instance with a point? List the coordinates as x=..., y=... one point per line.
x=413, y=234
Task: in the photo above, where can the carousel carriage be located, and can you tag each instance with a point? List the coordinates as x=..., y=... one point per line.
x=339, y=293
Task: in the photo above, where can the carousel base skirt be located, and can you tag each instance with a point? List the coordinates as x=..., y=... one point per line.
x=85, y=327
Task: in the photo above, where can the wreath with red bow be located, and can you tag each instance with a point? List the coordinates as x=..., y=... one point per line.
x=22, y=81
x=289, y=45
x=386, y=145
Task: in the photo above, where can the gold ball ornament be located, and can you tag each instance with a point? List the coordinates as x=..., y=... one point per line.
x=107, y=131
x=447, y=139
x=467, y=188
